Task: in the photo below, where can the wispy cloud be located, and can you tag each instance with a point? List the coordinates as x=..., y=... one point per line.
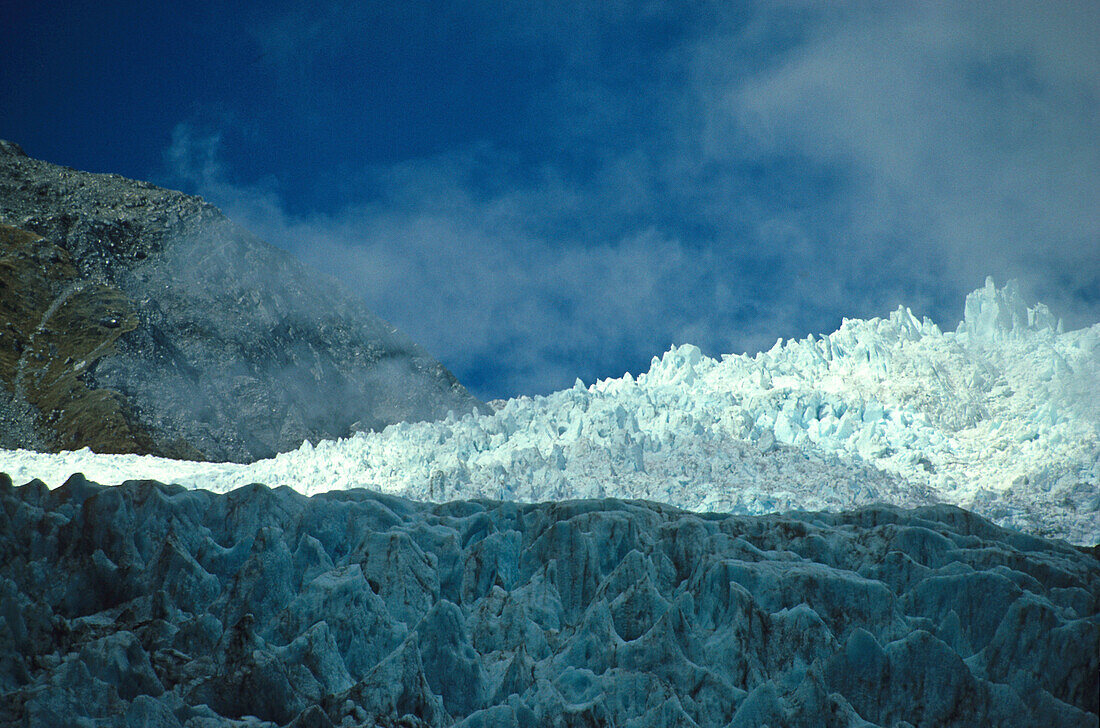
x=746, y=173
x=967, y=132
x=509, y=309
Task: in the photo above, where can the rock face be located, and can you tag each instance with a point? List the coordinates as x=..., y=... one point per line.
x=148, y=604
x=148, y=310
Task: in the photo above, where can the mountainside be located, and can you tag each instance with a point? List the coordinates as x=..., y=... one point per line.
x=1000, y=416
x=141, y=320
x=555, y=580
x=151, y=605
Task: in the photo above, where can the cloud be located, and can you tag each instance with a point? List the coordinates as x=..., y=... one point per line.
x=742, y=173
x=967, y=131
x=192, y=157
x=509, y=310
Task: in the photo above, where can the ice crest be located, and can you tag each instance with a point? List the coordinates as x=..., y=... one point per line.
x=1000, y=417
x=991, y=313
x=676, y=367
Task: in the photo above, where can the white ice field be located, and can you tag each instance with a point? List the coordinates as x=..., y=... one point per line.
x=1001, y=416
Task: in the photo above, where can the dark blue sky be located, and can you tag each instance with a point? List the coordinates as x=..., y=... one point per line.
x=537, y=192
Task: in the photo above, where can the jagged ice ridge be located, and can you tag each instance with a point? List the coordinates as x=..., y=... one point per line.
x=1000, y=416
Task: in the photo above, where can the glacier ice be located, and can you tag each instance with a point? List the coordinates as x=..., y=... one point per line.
x=149, y=604
x=1001, y=416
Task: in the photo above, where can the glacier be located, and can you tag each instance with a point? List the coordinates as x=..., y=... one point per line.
x=147, y=604
x=1000, y=416
x=776, y=539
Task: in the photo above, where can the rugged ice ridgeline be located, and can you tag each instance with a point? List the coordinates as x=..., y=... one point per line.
x=154, y=605
x=1001, y=416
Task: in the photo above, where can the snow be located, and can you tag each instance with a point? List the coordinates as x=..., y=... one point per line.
x=1000, y=416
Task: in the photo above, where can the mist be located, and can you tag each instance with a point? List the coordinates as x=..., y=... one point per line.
x=767, y=171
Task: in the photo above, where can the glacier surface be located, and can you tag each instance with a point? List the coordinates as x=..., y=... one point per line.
x=1001, y=416
x=154, y=605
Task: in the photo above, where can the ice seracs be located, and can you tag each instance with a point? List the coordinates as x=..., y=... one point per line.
x=1000, y=416
x=991, y=313
x=151, y=605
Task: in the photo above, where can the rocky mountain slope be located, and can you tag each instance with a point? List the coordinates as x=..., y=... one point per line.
x=1000, y=416
x=148, y=604
x=139, y=319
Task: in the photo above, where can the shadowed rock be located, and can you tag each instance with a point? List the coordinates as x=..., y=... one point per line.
x=139, y=319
